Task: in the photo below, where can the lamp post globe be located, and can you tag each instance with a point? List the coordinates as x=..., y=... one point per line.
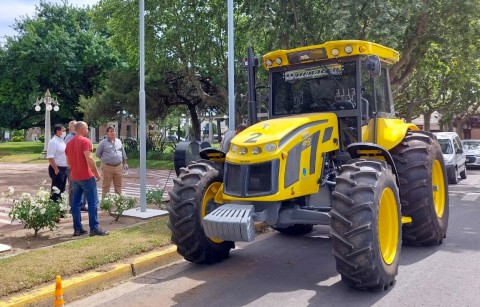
x=48, y=101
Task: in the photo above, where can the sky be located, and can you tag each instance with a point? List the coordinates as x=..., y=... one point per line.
x=13, y=9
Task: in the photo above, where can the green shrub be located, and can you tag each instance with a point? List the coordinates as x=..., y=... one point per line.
x=17, y=139
x=154, y=197
x=41, y=138
x=37, y=211
x=115, y=204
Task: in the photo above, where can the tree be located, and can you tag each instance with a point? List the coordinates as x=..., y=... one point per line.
x=56, y=49
x=186, y=49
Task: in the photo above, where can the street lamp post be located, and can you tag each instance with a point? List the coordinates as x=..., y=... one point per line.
x=48, y=101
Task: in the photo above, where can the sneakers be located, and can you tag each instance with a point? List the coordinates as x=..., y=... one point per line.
x=79, y=232
x=98, y=232
x=84, y=208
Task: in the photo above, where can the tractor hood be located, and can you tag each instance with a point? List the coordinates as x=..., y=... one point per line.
x=273, y=136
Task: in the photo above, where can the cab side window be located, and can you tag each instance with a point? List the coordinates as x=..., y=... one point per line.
x=381, y=87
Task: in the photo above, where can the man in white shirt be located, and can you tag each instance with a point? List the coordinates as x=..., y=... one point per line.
x=58, y=169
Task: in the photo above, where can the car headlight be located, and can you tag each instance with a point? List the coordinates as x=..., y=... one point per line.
x=449, y=160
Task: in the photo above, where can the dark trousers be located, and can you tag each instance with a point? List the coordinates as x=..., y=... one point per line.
x=59, y=180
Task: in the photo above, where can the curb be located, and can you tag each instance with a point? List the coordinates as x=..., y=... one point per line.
x=80, y=286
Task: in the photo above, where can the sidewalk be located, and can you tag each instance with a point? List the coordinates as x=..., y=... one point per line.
x=28, y=177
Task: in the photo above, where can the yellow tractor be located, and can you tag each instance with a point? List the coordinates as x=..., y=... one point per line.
x=331, y=153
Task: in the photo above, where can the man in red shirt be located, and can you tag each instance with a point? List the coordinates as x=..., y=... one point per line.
x=84, y=175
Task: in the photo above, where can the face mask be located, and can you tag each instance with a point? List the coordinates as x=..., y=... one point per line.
x=63, y=134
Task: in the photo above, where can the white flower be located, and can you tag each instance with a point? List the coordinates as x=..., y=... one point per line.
x=10, y=190
x=55, y=190
x=42, y=211
x=26, y=196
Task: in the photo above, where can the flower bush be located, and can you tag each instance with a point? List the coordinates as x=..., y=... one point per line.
x=154, y=197
x=36, y=211
x=115, y=204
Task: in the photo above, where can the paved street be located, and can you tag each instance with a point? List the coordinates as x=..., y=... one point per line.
x=278, y=270
x=27, y=178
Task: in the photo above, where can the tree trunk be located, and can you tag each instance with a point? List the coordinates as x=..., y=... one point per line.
x=196, y=130
x=426, y=120
x=459, y=123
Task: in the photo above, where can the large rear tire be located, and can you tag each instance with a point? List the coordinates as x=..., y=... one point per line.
x=365, y=225
x=423, y=188
x=191, y=199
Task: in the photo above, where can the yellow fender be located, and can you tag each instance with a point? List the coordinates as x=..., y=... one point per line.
x=390, y=131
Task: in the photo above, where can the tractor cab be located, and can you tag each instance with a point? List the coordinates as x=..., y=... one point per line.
x=348, y=78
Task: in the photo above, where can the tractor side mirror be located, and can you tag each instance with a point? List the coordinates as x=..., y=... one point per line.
x=373, y=66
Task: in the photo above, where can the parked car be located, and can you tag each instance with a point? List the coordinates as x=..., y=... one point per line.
x=455, y=158
x=472, y=151
x=174, y=138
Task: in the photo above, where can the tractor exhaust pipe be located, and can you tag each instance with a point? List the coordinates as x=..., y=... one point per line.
x=251, y=64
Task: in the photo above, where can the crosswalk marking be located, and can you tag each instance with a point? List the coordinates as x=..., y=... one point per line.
x=471, y=197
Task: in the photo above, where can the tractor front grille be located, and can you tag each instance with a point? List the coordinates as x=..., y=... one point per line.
x=250, y=180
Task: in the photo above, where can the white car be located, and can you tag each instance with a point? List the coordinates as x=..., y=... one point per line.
x=453, y=154
x=472, y=151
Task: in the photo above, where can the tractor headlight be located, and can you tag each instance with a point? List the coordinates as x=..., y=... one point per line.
x=335, y=52
x=278, y=61
x=269, y=62
x=270, y=147
x=234, y=148
x=243, y=151
x=348, y=49
x=256, y=150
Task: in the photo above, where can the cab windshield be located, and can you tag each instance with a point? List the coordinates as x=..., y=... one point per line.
x=317, y=89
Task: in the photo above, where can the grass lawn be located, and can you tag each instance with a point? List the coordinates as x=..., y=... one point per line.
x=21, y=152
x=29, y=152
x=35, y=267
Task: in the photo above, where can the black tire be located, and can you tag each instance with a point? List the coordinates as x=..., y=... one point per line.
x=463, y=174
x=187, y=208
x=420, y=166
x=453, y=179
x=295, y=230
x=365, y=225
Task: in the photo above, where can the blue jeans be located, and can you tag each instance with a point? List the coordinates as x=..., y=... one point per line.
x=88, y=188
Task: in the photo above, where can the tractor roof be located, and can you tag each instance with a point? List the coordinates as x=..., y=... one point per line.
x=328, y=50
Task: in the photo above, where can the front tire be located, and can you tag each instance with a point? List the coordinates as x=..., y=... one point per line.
x=454, y=177
x=191, y=199
x=423, y=188
x=365, y=225
x=463, y=174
